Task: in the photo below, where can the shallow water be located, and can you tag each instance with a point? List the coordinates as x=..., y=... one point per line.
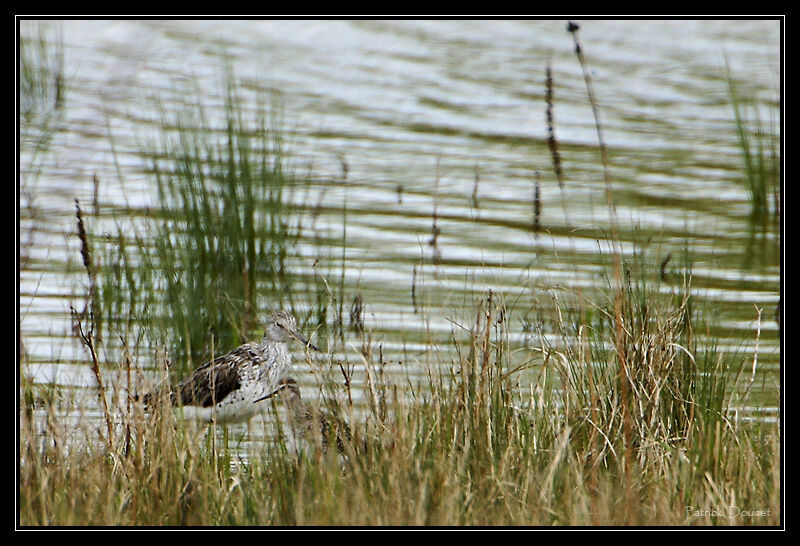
x=415, y=109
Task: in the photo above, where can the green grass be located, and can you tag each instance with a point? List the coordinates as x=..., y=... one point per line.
x=758, y=145
x=42, y=88
x=212, y=258
x=41, y=69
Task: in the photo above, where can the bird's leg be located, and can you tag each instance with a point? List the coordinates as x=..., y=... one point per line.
x=211, y=442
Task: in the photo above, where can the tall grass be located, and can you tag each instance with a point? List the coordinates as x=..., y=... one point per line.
x=758, y=146
x=42, y=93
x=466, y=446
x=214, y=255
x=41, y=69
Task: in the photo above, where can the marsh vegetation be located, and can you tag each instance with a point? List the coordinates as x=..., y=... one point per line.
x=611, y=391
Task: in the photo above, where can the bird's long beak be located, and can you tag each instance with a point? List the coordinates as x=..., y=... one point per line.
x=299, y=337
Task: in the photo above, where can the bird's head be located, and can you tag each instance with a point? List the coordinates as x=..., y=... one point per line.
x=281, y=327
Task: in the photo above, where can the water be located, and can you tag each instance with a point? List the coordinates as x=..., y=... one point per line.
x=416, y=109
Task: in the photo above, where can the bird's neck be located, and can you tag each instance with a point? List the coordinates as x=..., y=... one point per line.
x=267, y=342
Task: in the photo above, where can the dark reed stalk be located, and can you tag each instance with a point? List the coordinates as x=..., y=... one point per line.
x=87, y=337
x=357, y=314
x=485, y=345
x=475, y=202
x=663, y=268
x=95, y=191
x=573, y=30
x=126, y=357
x=552, y=143
x=620, y=342
x=537, y=203
x=433, y=242
x=340, y=317
x=414, y=288
x=86, y=253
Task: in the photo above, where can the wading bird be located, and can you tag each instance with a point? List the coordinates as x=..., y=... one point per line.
x=317, y=427
x=234, y=387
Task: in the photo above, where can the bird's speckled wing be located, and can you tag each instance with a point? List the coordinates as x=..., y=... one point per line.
x=213, y=381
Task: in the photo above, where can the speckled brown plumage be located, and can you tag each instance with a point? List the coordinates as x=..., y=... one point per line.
x=313, y=424
x=231, y=387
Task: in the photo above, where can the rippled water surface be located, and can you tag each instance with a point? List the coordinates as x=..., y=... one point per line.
x=417, y=111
